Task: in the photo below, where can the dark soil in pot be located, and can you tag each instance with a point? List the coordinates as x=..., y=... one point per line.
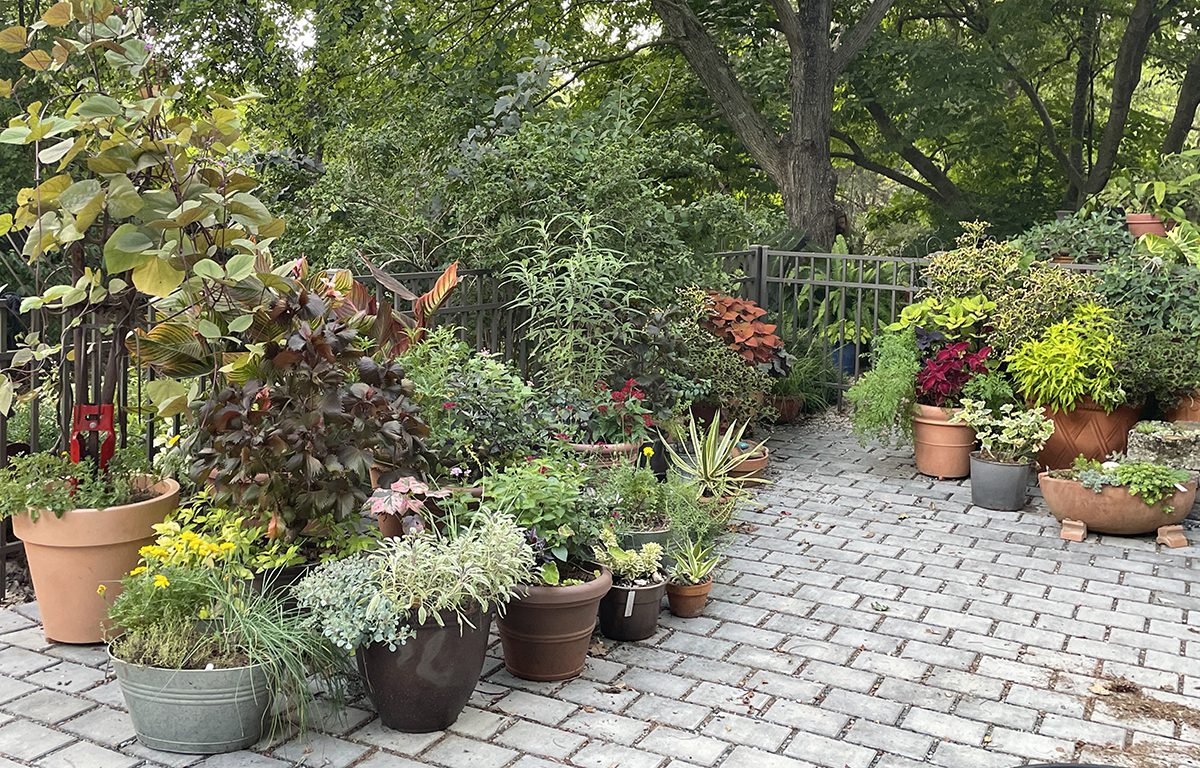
x=547, y=631
x=423, y=685
x=631, y=613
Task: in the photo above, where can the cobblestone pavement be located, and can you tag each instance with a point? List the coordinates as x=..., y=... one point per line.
x=866, y=618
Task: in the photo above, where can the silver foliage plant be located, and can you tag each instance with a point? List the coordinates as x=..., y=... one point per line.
x=380, y=595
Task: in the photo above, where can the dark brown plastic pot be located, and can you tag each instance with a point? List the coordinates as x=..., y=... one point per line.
x=547, y=631
x=631, y=613
x=423, y=685
x=687, y=601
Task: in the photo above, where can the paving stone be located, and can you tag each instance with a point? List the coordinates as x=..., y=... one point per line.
x=806, y=717
x=376, y=734
x=67, y=676
x=19, y=662
x=102, y=725
x=601, y=755
x=659, y=709
x=889, y=739
x=745, y=730
x=541, y=709
x=48, y=706
x=384, y=760
x=524, y=736
x=692, y=747
x=23, y=740
x=606, y=726
x=244, y=759
x=320, y=750
x=832, y=753
x=944, y=726
x=748, y=757
x=84, y=755
x=11, y=688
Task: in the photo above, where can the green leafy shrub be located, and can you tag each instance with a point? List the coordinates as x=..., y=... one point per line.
x=1045, y=295
x=1011, y=435
x=882, y=399
x=993, y=389
x=49, y=482
x=810, y=376
x=1154, y=296
x=1095, y=236
x=635, y=495
x=977, y=265
x=957, y=318
x=629, y=566
x=1072, y=360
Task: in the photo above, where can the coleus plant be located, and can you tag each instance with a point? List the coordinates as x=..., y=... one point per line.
x=738, y=322
x=942, y=377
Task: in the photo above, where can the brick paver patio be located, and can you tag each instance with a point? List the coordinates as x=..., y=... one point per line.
x=866, y=618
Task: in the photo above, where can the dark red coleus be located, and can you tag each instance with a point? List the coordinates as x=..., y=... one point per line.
x=942, y=378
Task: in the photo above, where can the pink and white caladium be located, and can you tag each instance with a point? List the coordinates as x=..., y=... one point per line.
x=406, y=498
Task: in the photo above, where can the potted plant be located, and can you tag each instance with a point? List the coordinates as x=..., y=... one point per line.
x=606, y=425
x=1070, y=371
x=1152, y=196
x=1078, y=239
x=691, y=579
x=629, y=611
x=757, y=458
x=635, y=495
x=806, y=387
x=1118, y=497
x=404, y=506
x=416, y=613
x=202, y=655
x=711, y=460
x=82, y=528
x=1009, y=439
x=546, y=632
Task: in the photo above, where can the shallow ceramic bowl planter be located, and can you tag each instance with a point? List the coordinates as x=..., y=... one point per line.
x=754, y=466
x=631, y=613
x=546, y=632
x=607, y=454
x=999, y=485
x=1114, y=510
x=942, y=449
x=687, y=601
x=195, y=711
x=423, y=685
x=1090, y=431
x=70, y=556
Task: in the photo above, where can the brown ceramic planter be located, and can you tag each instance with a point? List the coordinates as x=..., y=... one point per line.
x=1188, y=409
x=631, y=613
x=547, y=631
x=607, y=454
x=942, y=450
x=70, y=556
x=754, y=466
x=423, y=685
x=1113, y=510
x=787, y=408
x=1089, y=431
x=687, y=601
x=1145, y=224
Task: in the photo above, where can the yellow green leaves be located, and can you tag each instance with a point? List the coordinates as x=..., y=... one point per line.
x=36, y=60
x=128, y=247
x=14, y=39
x=169, y=397
x=58, y=15
x=123, y=199
x=6, y=223
x=99, y=106
x=6, y=395
x=157, y=277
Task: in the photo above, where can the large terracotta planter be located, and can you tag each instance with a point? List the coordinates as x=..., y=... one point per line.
x=1145, y=224
x=1113, y=510
x=423, y=685
x=942, y=450
x=1188, y=409
x=70, y=556
x=547, y=631
x=787, y=408
x=1089, y=431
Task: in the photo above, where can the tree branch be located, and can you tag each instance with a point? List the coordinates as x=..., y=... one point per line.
x=1074, y=175
x=856, y=39
x=579, y=67
x=789, y=23
x=920, y=162
x=859, y=158
x=1185, y=109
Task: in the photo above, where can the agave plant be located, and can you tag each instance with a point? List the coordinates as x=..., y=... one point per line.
x=710, y=459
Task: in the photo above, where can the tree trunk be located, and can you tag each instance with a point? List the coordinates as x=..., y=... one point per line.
x=809, y=183
x=1185, y=109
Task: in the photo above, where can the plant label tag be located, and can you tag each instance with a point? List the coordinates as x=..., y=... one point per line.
x=629, y=603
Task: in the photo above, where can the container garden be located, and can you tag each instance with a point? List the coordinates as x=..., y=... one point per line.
x=195, y=711
x=1114, y=510
x=1088, y=431
x=687, y=601
x=70, y=556
x=1187, y=409
x=999, y=485
x=1145, y=224
x=631, y=612
x=547, y=631
x=638, y=539
x=423, y=685
x=607, y=454
x=755, y=462
x=787, y=408
x=942, y=449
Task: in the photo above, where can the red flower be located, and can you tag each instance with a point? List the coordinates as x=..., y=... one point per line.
x=649, y=422
x=639, y=394
x=449, y=405
x=620, y=396
x=630, y=383
x=602, y=408
x=561, y=435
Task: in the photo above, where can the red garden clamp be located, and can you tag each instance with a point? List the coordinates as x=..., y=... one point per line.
x=93, y=418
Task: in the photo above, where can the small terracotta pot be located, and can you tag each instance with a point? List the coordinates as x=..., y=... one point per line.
x=754, y=466
x=70, y=556
x=607, y=454
x=546, y=632
x=687, y=601
x=942, y=450
x=787, y=408
x=1113, y=510
x=1188, y=409
x=631, y=613
x=1145, y=224
x=1089, y=431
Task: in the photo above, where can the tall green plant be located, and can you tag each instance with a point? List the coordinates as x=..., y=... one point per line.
x=882, y=400
x=1072, y=360
x=709, y=458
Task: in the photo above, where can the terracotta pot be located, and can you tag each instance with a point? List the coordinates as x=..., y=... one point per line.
x=631, y=613
x=547, y=631
x=754, y=466
x=607, y=454
x=1145, y=224
x=1113, y=510
x=423, y=685
x=1088, y=430
x=942, y=450
x=1188, y=409
x=70, y=556
x=787, y=408
x=687, y=601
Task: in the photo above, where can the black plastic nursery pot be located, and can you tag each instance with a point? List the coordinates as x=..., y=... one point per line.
x=631, y=613
x=423, y=685
x=999, y=486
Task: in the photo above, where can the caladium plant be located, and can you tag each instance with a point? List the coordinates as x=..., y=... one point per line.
x=942, y=377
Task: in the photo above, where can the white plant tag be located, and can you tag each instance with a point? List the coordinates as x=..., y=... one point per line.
x=629, y=603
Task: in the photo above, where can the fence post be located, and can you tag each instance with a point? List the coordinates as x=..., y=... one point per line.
x=757, y=289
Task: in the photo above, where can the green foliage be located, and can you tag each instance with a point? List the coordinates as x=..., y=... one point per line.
x=993, y=389
x=578, y=297
x=1045, y=295
x=691, y=516
x=481, y=415
x=958, y=318
x=48, y=482
x=1180, y=246
x=709, y=458
x=1096, y=236
x=810, y=375
x=629, y=567
x=1010, y=435
x=1152, y=483
x=380, y=596
x=978, y=265
x=1072, y=360
x=882, y=400
x=1154, y=296
x=636, y=497
x=694, y=563
x=1168, y=187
